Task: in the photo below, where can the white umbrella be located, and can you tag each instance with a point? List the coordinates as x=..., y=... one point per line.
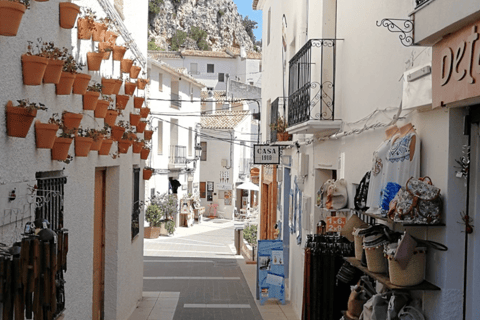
x=248, y=186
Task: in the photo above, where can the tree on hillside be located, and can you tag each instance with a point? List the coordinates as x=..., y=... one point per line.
x=250, y=25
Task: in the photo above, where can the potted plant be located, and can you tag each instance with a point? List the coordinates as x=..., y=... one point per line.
x=138, y=102
x=153, y=216
x=118, y=85
x=147, y=134
x=108, y=85
x=11, y=13
x=141, y=83
x=119, y=51
x=106, y=143
x=69, y=73
x=56, y=59
x=68, y=14
x=122, y=101
x=94, y=60
x=71, y=121
x=102, y=106
x=106, y=48
x=86, y=23
x=168, y=206
x=83, y=142
x=111, y=33
x=130, y=87
x=134, y=119
x=20, y=117
x=34, y=63
x=141, y=126
x=98, y=138
x=147, y=173
x=125, y=142
x=100, y=29
x=145, y=151
x=111, y=115
x=144, y=112
x=45, y=133
x=62, y=144
x=119, y=129
x=126, y=65
x=90, y=98
x=138, y=145
x=135, y=71
x=281, y=128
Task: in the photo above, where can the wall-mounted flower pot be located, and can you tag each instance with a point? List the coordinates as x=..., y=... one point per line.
x=90, y=99
x=60, y=148
x=137, y=146
x=105, y=148
x=53, y=72
x=141, y=83
x=134, y=119
x=102, y=47
x=147, y=174
x=99, y=33
x=138, y=102
x=101, y=108
x=118, y=85
x=126, y=65
x=141, y=126
x=144, y=112
x=64, y=87
x=117, y=132
x=123, y=146
x=94, y=60
x=122, y=101
x=84, y=31
x=33, y=68
x=284, y=136
x=111, y=117
x=68, y=14
x=97, y=143
x=147, y=135
x=71, y=121
x=80, y=84
x=11, y=14
x=108, y=85
x=118, y=52
x=111, y=37
x=82, y=146
x=132, y=137
x=45, y=134
x=130, y=88
x=134, y=71
x=19, y=120
x=144, y=154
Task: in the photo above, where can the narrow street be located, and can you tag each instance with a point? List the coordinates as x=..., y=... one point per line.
x=196, y=275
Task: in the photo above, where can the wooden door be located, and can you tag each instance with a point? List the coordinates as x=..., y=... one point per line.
x=99, y=247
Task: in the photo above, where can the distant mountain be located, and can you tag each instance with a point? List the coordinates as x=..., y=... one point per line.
x=196, y=25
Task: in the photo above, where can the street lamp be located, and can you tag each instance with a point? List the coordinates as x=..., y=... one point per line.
x=198, y=151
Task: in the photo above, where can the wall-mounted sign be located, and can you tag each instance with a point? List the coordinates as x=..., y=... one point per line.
x=224, y=186
x=335, y=224
x=210, y=186
x=266, y=154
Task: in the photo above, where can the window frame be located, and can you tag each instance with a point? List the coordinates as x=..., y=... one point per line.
x=204, y=146
x=210, y=66
x=221, y=77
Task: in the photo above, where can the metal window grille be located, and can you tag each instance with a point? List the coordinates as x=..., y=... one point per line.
x=274, y=119
x=210, y=68
x=50, y=194
x=178, y=154
x=176, y=103
x=136, y=203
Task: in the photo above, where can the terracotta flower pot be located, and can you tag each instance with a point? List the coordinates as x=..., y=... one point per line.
x=80, y=84
x=134, y=71
x=45, y=134
x=118, y=52
x=141, y=83
x=284, y=136
x=108, y=86
x=102, y=46
x=71, y=121
x=117, y=132
x=11, y=14
x=90, y=99
x=97, y=143
x=60, y=148
x=84, y=31
x=101, y=108
x=105, y=148
x=53, y=72
x=111, y=37
x=19, y=120
x=94, y=60
x=118, y=85
x=147, y=174
x=144, y=154
x=111, y=117
x=123, y=146
x=99, y=33
x=130, y=88
x=68, y=14
x=134, y=119
x=141, y=126
x=64, y=87
x=121, y=102
x=144, y=112
x=82, y=146
x=33, y=68
x=126, y=65
x=137, y=146
x=147, y=135
x=138, y=102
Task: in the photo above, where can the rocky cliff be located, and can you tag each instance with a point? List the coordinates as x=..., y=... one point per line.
x=218, y=18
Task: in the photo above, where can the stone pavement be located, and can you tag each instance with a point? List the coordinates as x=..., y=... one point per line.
x=196, y=275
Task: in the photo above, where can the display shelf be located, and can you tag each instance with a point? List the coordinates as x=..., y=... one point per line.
x=383, y=278
x=375, y=216
x=336, y=210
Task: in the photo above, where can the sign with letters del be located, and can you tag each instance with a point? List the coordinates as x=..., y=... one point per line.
x=266, y=154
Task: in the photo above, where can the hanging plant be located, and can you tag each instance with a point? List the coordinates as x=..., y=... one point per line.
x=119, y=52
x=108, y=85
x=71, y=121
x=123, y=146
x=45, y=133
x=147, y=135
x=144, y=112
x=83, y=142
x=94, y=60
x=130, y=87
x=134, y=119
x=122, y=101
x=86, y=24
x=147, y=173
x=62, y=144
x=106, y=146
x=102, y=106
x=138, y=145
x=119, y=129
x=11, y=13
x=68, y=14
x=90, y=98
x=142, y=83
x=141, y=126
x=138, y=102
x=135, y=71
x=67, y=79
x=111, y=117
x=98, y=137
x=145, y=151
x=34, y=63
x=118, y=85
x=100, y=28
x=56, y=59
x=20, y=117
x=126, y=65
x=106, y=48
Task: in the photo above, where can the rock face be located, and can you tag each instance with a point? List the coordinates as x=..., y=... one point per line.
x=219, y=18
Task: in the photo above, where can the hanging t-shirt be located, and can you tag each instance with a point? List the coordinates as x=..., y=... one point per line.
x=377, y=174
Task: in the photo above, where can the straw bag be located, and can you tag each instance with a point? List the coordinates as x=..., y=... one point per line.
x=337, y=192
x=358, y=239
x=375, y=259
x=413, y=274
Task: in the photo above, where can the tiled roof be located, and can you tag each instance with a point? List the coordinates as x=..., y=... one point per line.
x=182, y=72
x=228, y=54
x=250, y=55
x=219, y=96
x=211, y=54
x=223, y=119
x=158, y=55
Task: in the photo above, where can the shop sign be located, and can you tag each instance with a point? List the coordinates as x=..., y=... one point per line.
x=224, y=186
x=266, y=154
x=335, y=224
x=456, y=67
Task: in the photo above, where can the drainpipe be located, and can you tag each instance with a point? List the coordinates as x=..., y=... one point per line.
x=232, y=136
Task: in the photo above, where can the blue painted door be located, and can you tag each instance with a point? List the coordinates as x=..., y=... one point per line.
x=286, y=225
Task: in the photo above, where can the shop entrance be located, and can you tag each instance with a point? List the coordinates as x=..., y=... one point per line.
x=99, y=247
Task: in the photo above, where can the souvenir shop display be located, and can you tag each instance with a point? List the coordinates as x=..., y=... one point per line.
x=333, y=195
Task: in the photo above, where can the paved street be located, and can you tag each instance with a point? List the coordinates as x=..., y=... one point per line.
x=195, y=275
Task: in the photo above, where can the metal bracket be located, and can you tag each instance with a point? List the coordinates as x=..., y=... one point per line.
x=403, y=26
x=48, y=196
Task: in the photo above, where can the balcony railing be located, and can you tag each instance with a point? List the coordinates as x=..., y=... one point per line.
x=274, y=119
x=176, y=103
x=419, y=3
x=311, y=94
x=178, y=154
x=244, y=166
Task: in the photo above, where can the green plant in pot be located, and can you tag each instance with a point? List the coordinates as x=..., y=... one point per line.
x=281, y=128
x=168, y=206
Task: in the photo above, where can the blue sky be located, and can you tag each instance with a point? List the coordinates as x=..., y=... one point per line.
x=245, y=9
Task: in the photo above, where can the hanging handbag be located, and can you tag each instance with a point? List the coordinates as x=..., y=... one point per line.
x=361, y=194
x=338, y=192
x=325, y=200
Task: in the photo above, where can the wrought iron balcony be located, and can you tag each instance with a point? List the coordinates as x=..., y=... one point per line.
x=176, y=103
x=274, y=119
x=311, y=94
x=419, y=3
x=178, y=155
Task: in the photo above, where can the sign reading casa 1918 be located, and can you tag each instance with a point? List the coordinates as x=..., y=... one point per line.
x=265, y=154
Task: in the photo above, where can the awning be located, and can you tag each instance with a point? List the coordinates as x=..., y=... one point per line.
x=248, y=186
